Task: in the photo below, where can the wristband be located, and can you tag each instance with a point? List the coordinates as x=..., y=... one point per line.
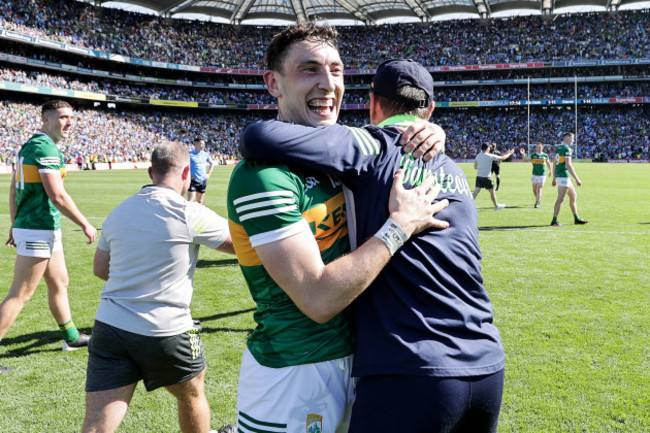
x=392, y=235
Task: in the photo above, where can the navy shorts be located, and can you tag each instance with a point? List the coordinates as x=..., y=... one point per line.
x=196, y=186
x=118, y=358
x=424, y=404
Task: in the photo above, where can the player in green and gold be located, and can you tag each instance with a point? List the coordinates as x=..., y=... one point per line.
x=561, y=178
x=540, y=161
x=37, y=198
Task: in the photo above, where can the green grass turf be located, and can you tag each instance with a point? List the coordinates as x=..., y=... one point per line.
x=571, y=302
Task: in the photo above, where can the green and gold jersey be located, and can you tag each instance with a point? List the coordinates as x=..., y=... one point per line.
x=539, y=163
x=34, y=209
x=562, y=152
x=267, y=203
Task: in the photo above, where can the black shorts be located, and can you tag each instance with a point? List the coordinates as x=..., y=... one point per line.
x=484, y=182
x=196, y=186
x=399, y=403
x=496, y=169
x=118, y=358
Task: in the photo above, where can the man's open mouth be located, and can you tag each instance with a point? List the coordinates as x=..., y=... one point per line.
x=321, y=106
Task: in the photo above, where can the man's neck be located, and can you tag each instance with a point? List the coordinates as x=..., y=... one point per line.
x=399, y=120
x=40, y=131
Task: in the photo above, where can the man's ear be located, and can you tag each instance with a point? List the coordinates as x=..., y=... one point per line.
x=431, y=107
x=186, y=172
x=272, y=84
x=376, y=113
x=150, y=170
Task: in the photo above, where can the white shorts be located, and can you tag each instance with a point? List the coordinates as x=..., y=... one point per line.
x=37, y=243
x=563, y=181
x=294, y=399
x=538, y=179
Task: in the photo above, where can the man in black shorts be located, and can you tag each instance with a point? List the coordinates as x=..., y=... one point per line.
x=484, y=164
x=143, y=326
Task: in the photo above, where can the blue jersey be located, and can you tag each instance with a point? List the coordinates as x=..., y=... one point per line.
x=198, y=160
x=427, y=313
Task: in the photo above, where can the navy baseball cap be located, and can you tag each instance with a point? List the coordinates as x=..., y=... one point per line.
x=395, y=73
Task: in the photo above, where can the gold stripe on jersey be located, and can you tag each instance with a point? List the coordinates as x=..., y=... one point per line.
x=30, y=174
x=538, y=161
x=562, y=159
x=365, y=141
x=246, y=254
x=328, y=221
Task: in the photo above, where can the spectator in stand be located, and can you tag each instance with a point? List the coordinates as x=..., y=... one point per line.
x=526, y=38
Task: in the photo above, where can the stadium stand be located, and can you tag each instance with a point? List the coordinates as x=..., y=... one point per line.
x=143, y=78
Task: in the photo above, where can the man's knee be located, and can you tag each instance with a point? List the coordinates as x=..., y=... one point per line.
x=191, y=389
x=56, y=274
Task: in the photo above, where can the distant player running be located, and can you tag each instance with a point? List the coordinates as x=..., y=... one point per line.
x=540, y=161
x=563, y=168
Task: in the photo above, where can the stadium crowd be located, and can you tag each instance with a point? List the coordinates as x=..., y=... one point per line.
x=238, y=96
x=127, y=135
x=123, y=136
x=622, y=35
x=614, y=133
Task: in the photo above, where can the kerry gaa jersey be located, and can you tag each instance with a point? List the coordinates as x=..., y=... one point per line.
x=34, y=209
x=427, y=313
x=539, y=163
x=267, y=203
x=562, y=152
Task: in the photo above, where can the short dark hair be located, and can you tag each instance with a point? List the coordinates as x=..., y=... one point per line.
x=567, y=134
x=168, y=156
x=407, y=102
x=277, y=49
x=54, y=104
x=485, y=146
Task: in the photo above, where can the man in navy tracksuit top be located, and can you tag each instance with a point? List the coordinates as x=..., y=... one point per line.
x=427, y=354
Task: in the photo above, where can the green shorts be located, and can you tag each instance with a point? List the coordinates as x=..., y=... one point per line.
x=118, y=358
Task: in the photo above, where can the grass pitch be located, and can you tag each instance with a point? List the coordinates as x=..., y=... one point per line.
x=571, y=303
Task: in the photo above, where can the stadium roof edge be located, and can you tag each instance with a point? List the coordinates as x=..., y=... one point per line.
x=366, y=12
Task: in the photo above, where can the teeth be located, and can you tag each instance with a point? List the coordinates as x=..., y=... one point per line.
x=321, y=103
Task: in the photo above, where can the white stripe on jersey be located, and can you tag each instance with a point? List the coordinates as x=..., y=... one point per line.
x=273, y=211
x=265, y=204
x=49, y=170
x=367, y=144
x=262, y=195
x=51, y=160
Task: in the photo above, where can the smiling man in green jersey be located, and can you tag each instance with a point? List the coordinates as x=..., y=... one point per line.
x=561, y=178
x=37, y=198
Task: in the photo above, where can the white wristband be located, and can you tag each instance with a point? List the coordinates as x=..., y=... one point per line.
x=392, y=235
